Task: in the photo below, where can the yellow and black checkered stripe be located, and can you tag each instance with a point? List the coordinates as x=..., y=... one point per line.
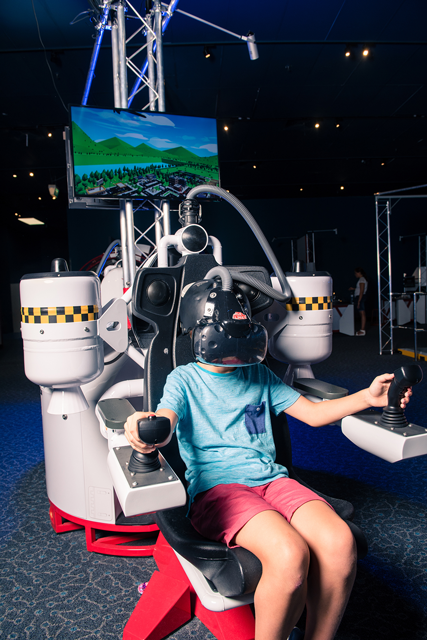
x=59, y=315
x=310, y=304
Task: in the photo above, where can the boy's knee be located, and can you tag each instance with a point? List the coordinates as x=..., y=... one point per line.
x=290, y=559
x=340, y=546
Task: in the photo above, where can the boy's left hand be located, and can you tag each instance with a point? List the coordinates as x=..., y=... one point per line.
x=379, y=389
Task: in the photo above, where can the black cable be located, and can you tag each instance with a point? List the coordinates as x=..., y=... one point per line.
x=45, y=57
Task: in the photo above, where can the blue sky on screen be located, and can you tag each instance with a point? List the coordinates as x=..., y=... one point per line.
x=161, y=131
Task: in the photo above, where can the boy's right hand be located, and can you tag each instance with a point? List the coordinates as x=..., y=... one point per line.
x=131, y=432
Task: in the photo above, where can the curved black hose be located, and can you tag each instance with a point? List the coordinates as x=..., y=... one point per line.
x=258, y=284
x=224, y=274
x=235, y=202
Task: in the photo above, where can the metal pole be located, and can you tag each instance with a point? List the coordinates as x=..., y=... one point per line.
x=158, y=224
x=166, y=218
x=380, y=311
x=150, y=59
x=313, y=248
x=415, y=328
x=122, y=55
x=124, y=240
x=389, y=276
x=130, y=228
x=115, y=59
x=159, y=54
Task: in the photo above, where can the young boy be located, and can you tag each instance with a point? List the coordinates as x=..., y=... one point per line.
x=241, y=497
x=220, y=406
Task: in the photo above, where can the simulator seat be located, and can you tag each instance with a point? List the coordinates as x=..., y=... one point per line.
x=201, y=577
x=196, y=576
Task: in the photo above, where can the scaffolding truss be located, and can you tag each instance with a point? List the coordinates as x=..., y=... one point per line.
x=384, y=204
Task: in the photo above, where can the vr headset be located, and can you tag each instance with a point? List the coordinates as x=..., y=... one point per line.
x=223, y=333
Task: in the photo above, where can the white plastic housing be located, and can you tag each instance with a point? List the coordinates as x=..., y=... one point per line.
x=211, y=600
x=302, y=336
x=68, y=352
x=148, y=494
x=388, y=445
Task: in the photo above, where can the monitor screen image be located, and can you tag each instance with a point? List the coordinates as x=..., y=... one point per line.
x=118, y=153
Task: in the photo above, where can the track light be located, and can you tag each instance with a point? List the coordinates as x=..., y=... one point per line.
x=347, y=52
x=206, y=52
x=365, y=52
x=253, y=49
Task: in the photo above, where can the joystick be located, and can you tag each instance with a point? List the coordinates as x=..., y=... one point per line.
x=393, y=415
x=151, y=431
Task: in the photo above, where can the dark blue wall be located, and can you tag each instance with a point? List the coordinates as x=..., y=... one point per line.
x=30, y=249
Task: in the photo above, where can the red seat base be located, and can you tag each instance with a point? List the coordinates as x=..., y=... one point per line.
x=170, y=601
x=123, y=541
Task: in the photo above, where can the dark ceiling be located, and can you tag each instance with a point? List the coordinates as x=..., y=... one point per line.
x=271, y=105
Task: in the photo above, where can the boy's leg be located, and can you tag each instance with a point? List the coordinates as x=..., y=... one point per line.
x=281, y=593
x=332, y=567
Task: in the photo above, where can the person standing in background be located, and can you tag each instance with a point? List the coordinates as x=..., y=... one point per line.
x=360, y=297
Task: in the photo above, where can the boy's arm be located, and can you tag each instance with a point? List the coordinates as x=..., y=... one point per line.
x=131, y=428
x=318, y=414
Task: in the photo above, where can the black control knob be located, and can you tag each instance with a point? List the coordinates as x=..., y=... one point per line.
x=407, y=376
x=151, y=430
x=154, y=429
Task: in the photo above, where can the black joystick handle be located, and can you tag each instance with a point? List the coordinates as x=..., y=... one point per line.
x=151, y=431
x=393, y=415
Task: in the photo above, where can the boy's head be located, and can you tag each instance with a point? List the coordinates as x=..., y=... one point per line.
x=223, y=333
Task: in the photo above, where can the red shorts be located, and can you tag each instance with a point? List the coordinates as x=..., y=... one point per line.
x=222, y=511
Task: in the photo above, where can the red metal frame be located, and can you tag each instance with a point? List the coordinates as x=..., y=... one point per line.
x=118, y=544
x=170, y=601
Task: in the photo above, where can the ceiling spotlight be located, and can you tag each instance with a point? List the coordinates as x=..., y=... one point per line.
x=40, y=198
x=317, y=125
x=14, y=175
x=252, y=48
x=382, y=164
x=49, y=135
x=206, y=52
x=365, y=52
x=30, y=221
x=347, y=52
x=342, y=188
x=31, y=174
x=254, y=166
x=225, y=127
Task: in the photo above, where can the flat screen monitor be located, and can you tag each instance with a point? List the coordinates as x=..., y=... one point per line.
x=118, y=153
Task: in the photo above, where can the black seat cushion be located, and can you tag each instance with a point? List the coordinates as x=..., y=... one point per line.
x=233, y=572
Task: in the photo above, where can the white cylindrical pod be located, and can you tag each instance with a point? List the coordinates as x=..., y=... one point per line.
x=304, y=335
x=59, y=328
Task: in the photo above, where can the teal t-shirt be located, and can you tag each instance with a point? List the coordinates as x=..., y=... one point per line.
x=224, y=428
